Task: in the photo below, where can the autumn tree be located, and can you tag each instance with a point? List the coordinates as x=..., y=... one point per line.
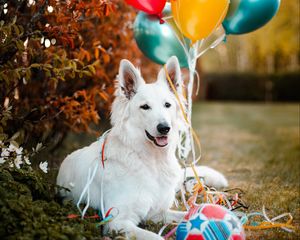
x=58, y=62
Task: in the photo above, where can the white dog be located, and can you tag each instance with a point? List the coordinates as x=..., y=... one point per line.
x=141, y=172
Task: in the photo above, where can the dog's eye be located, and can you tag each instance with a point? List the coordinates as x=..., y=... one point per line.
x=145, y=107
x=167, y=105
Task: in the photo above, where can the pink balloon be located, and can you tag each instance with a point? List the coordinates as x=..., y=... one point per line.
x=148, y=6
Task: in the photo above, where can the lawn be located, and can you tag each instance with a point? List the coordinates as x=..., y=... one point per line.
x=257, y=147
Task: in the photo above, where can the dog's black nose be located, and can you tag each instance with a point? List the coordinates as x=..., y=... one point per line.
x=163, y=128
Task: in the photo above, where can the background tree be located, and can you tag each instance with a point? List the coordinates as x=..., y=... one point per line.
x=58, y=62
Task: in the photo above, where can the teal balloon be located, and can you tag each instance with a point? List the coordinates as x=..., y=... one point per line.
x=159, y=41
x=248, y=15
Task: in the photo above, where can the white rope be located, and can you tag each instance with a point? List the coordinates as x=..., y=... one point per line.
x=83, y=192
x=182, y=193
x=102, y=210
x=90, y=179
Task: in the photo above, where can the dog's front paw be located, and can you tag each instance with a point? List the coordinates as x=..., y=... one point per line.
x=211, y=177
x=216, y=180
x=132, y=231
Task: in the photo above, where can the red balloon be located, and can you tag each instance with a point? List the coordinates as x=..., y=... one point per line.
x=148, y=6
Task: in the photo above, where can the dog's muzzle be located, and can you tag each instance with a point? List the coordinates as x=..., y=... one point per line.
x=160, y=141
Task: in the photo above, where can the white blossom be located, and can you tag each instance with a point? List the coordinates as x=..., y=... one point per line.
x=47, y=43
x=31, y=2
x=26, y=43
x=18, y=161
x=38, y=147
x=5, y=152
x=44, y=166
x=53, y=41
x=6, y=102
x=50, y=9
x=2, y=160
x=12, y=148
x=19, y=151
x=27, y=161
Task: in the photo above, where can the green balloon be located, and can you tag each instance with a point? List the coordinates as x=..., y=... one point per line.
x=248, y=15
x=160, y=41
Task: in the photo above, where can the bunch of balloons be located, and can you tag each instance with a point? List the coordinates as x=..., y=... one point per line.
x=164, y=29
x=183, y=28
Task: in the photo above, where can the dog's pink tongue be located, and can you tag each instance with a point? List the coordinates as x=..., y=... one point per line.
x=162, y=141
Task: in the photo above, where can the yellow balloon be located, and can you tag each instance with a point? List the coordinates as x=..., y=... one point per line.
x=197, y=19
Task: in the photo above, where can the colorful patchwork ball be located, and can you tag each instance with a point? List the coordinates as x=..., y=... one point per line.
x=210, y=222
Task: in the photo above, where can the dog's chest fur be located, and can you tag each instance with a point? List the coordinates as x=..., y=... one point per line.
x=148, y=182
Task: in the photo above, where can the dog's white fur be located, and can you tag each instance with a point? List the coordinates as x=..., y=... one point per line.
x=140, y=178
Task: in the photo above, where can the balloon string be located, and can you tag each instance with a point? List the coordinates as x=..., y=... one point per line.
x=198, y=83
x=192, y=66
x=194, y=134
x=179, y=38
x=192, y=56
x=200, y=187
x=220, y=19
x=219, y=40
x=160, y=17
x=212, y=45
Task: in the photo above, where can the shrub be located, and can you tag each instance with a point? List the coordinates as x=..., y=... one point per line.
x=58, y=60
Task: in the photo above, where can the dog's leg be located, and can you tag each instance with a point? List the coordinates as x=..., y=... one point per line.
x=168, y=216
x=211, y=177
x=132, y=231
x=174, y=216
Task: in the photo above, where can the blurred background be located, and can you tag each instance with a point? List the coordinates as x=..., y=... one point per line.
x=259, y=66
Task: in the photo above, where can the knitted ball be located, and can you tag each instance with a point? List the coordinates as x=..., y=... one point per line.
x=210, y=222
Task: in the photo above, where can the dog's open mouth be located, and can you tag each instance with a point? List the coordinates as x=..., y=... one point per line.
x=161, y=141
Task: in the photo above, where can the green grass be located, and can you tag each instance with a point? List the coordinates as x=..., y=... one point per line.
x=257, y=147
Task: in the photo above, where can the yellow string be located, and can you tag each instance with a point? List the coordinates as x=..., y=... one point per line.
x=194, y=134
x=268, y=225
x=199, y=187
x=195, y=173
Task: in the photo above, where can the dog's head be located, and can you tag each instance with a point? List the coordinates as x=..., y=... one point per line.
x=148, y=111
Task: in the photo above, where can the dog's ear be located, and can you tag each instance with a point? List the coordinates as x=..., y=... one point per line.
x=129, y=78
x=171, y=70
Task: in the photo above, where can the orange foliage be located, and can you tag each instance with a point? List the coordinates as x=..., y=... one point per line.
x=67, y=85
